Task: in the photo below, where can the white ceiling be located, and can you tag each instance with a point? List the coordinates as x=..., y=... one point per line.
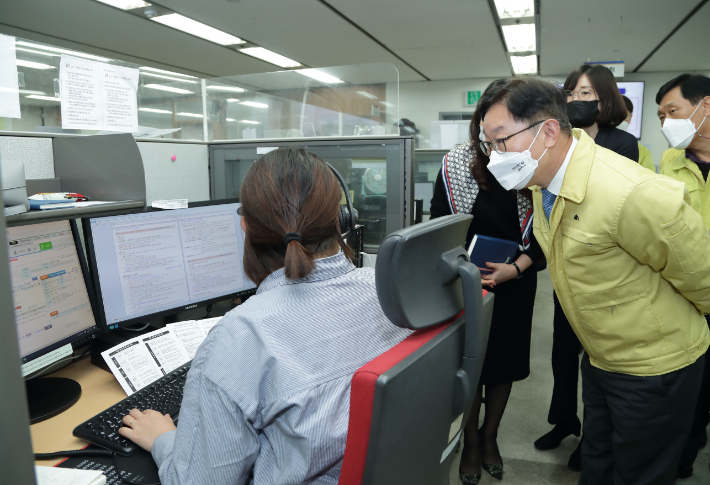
x=445, y=39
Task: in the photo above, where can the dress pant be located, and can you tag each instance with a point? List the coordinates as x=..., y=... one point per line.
x=635, y=427
x=565, y=368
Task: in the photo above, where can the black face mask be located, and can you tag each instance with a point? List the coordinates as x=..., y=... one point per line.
x=582, y=113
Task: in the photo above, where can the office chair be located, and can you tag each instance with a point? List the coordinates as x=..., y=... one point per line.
x=408, y=406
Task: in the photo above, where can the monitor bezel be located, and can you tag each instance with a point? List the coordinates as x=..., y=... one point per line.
x=88, y=237
x=88, y=283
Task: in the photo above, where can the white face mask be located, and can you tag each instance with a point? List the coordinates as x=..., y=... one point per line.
x=680, y=133
x=513, y=170
x=623, y=126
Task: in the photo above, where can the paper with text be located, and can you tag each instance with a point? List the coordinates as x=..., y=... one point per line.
x=190, y=334
x=98, y=96
x=48, y=475
x=9, y=90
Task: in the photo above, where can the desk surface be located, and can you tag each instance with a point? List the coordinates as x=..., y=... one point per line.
x=99, y=390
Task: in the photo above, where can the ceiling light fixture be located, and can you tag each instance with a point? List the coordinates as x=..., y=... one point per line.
x=320, y=76
x=167, y=88
x=46, y=98
x=193, y=27
x=524, y=64
x=126, y=4
x=227, y=88
x=35, y=52
x=62, y=51
x=367, y=95
x=250, y=122
x=144, y=68
x=154, y=110
x=269, y=56
x=513, y=9
x=34, y=65
x=191, y=115
x=519, y=38
x=254, y=104
x=232, y=100
x=150, y=74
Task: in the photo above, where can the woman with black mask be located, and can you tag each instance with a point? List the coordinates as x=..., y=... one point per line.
x=595, y=105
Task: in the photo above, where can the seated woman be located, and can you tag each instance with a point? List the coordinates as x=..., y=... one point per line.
x=268, y=393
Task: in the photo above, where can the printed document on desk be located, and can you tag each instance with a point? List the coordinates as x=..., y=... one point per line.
x=140, y=361
x=49, y=475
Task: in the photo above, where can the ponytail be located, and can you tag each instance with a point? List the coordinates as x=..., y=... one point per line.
x=298, y=262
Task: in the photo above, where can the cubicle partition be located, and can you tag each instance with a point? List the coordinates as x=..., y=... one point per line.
x=378, y=171
x=426, y=169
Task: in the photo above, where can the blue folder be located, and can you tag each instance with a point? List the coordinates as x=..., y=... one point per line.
x=484, y=249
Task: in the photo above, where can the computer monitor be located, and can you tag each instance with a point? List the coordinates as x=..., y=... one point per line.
x=158, y=263
x=53, y=307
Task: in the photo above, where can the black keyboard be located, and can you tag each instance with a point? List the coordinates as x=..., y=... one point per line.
x=164, y=396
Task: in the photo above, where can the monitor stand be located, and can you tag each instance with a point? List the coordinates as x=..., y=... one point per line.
x=49, y=396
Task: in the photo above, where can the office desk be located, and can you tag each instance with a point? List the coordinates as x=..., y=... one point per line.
x=99, y=390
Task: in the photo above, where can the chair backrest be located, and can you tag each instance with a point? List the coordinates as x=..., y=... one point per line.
x=409, y=405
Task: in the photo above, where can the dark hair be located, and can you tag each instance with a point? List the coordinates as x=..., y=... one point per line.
x=628, y=103
x=611, y=105
x=693, y=87
x=528, y=100
x=289, y=190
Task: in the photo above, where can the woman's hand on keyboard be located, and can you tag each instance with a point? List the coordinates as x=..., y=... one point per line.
x=143, y=428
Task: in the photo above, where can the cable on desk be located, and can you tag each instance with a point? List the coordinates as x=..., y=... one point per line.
x=136, y=329
x=72, y=454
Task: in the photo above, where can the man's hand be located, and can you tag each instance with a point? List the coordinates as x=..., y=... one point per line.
x=502, y=272
x=143, y=428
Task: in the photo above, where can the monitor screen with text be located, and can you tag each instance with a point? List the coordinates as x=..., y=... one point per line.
x=49, y=291
x=157, y=262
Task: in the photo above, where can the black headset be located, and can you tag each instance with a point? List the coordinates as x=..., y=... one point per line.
x=348, y=214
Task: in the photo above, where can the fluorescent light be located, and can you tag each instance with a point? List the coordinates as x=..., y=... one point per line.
x=226, y=88
x=153, y=110
x=367, y=95
x=36, y=52
x=232, y=100
x=512, y=9
x=144, y=68
x=319, y=76
x=231, y=119
x=519, y=38
x=46, y=98
x=191, y=115
x=193, y=27
x=34, y=65
x=254, y=104
x=250, y=122
x=168, y=77
x=389, y=105
x=524, y=64
x=62, y=51
x=25, y=91
x=125, y=4
x=269, y=56
x=167, y=88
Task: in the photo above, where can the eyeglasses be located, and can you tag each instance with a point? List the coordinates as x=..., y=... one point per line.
x=498, y=144
x=582, y=95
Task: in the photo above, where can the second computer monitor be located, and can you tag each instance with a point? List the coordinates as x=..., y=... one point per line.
x=158, y=263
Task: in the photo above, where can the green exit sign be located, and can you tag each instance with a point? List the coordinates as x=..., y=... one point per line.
x=45, y=246
x=471, y=98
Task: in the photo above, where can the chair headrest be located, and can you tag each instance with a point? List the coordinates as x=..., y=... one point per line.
x=413, y=285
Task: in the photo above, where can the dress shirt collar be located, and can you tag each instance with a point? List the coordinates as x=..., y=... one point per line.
x=556, y=183
x=326, y=268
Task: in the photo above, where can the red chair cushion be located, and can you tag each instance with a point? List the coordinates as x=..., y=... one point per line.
x=362, y=397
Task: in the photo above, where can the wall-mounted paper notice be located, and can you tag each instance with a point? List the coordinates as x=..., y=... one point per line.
x=9, y=90
x=98, y=96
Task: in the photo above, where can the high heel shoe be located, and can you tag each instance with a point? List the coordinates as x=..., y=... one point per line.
x=469, y=478
x=496, y=471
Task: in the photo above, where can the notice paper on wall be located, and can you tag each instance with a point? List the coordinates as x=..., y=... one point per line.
x=139, y=362
x=98, y=96
x=9, y=90
x=169, y=204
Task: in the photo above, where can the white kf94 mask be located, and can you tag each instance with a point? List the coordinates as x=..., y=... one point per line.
x=513, y=170
x=680, y=133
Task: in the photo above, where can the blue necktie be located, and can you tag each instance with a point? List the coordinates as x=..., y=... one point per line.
x=548, y=201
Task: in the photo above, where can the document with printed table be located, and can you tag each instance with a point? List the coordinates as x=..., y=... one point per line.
x=484, y=249
x=140, y=361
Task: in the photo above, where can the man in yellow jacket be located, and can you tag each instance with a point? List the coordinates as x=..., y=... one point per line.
x=628, y=259
x=683, y=105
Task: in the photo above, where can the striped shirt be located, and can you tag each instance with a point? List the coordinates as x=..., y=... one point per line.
x=267, y=398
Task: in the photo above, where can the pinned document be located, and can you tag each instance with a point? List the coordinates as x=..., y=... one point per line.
x=9, y=90
x=98, y=96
